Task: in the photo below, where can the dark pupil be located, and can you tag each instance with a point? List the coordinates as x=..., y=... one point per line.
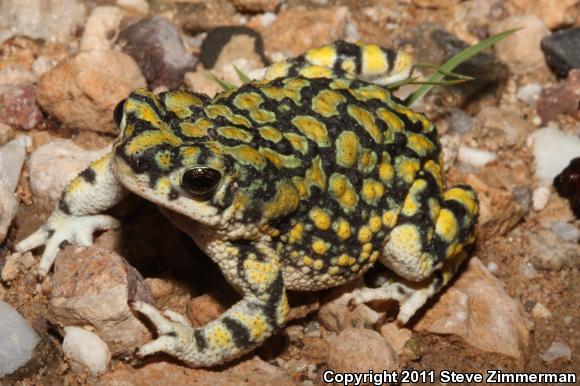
x=200, y=182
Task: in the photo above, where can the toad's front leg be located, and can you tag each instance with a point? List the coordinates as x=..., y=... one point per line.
x=77, y=214
x=255, y=270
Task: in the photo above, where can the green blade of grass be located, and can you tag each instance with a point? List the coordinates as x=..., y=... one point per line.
x=225, y=85
x=446, y=73
x=455, y=61
x=243, y=77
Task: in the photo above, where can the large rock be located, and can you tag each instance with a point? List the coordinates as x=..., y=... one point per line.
x=157, y=48
x=498, y=210
x=86, y=349
x=561, y=50
x=477, y=309
x=297, y=30
x=82, y=91
x=92, y=287
x=51, y=20
x=553, y=150
x=17, y=346
x=249, y=372
x=53, y=165
x=361, y=350
x=521, y=50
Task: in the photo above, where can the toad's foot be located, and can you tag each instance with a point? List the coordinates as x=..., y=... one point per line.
x=60, y=229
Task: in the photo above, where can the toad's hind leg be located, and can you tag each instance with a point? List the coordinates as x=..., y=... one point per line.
x=367, y=62
x=255, y=270
x=425, y=248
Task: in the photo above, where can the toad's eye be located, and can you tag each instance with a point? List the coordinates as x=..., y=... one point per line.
x=118, y=113
x=200, y=182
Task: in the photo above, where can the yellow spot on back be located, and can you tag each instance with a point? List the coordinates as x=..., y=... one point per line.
x=307, y=260
x=371, y=92
x=367, y=161
x=333, y=271
x=364, y=234
x=180, y=102
x=235, y=133
x=320, y=218
x=315, y=175
x=407, y=168
x=319, y=246
x=372, y=191
x=280, y=160
x=318, y=264
x=347, y=148
x=248, y=101
x=263, y=116
x=149, y=139
x=419, y=144
x=285, y=201
x=298, y=142
x=366, y=120
x=324, y=56
x=411, y=204
x=278, y=70
x=295, y=234
x=390, y=218
x=300, y=184
x=343, y=192
x=342, y=229
x=326, y=102
x=464, y=197
x=270, y=133
x=446, y=226
x=216, y=110
x=343, y=260
x=315, y=72
x=246, y=155
x=196, y=129
x=375, y=224
x=313, y=129
x=386, y=170
x=374, y=60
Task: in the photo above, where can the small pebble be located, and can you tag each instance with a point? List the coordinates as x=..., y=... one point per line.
x=475, y=157
x=553, y=150
x=540, y=198
x=566, y=231
x=528, y=271
x=459, y=121
x=556, y=351
x=492, y=267
x=530, y=93
x=539, y=311
x=87, y=349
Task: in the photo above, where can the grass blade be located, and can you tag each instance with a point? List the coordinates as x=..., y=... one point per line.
x=225, y=85
x=243, y=77
x=455, y=61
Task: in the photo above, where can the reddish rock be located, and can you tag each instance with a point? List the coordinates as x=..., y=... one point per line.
x=477, y=308
x=498, y=209
x=250, y=372
x=92, y=286
x=205, y=308
x=361, y=350
x=297, y=30
x=563, y=99
x=18, y=106
x=554, y=13
x=82, y=91
x=396, y=336
x=495, y=129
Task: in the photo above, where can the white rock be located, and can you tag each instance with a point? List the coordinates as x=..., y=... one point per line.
x=553, y=150
x=18, y=340
x=566, y=231
x=541, y=312
x=530, y=93
x=11, y=267
x=51, y=20
x=12, y=157
x=528, y=270
x=540, y=197
x=8, y=208
x=101, y=28
x=87, y=349
x=474, y=156
x=268, y=18
x=54, y=164
x=138, y=6
x=556, y=351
